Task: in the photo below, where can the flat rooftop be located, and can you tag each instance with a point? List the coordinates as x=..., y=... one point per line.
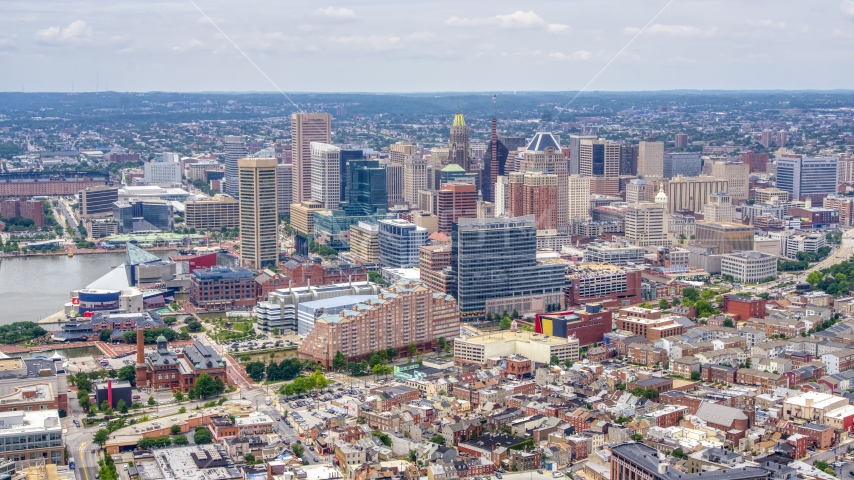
x=520, y=336
x=176, y=463
x=818, y=399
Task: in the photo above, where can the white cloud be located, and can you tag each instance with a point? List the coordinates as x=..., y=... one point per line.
x=370, y=42
x=339, y=13
x=517, y=19
x=76, y=30
x=192, y=44
x=840, y=34
x=579, y=55
x=671, y=30
x=847, y=7
x=422, y=36
x=772, y=24
x=557, y=28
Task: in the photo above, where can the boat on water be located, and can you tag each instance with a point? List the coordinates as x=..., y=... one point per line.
x=70, y=254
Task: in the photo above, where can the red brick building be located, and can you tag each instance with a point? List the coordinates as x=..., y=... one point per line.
x=223, y=288
x=588, y=325
x=743, y=308
x=718, y=373
x=303, y=272
x=23, y=208
x=455, y=201
x=757, y=161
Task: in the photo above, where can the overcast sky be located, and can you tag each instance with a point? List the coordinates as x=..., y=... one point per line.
x=435, y=45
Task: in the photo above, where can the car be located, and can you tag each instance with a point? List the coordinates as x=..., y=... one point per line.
x=557, y=475
x=103, y=425
x=540, y=471
x=851, y=473
x=498, y=476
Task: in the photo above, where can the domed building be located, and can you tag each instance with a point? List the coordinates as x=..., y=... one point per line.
x=661, y=197
x=167, y=370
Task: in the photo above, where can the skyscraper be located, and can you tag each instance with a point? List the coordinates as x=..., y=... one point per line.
x=366, y=192
x=685, y=164
x=575, y=152
x=394, y=183
x=326, y=175
x=455, y=201
x=629, y=160
x=766, y=138
x=651, y=159
x=646, y=225
x=543, y=153
x=578, y=198
x=346, y=156
x=414, y=178
x=400, y=242
x=494, y=161
x=259, y=246
x=737, y=175
x=680, y=140
x=284, y=177
x=397, y=152
x=306, y=128
x=599, y=158
x=494, y=261
x=459, y=143
x=807, y=177
x=534, y=193
x=782, y=138
x=235, y=149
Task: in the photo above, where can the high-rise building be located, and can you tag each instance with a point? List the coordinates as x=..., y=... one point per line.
x=543, y=153
x=636, y=191
x=407, y=313
x=394, y=183
x=680, y=140
x=434, y=264
x=646, y=225
x=494, y=161
x=439, y=157
x=365, y=244
x=399, y=242
x=366, y=187
x=719, y=208
x=414, y=178
x=501, y=195
x=326, y=174
x=212, y=214
x=770, y=195
x=284, y=177
x=685, y=164
x=757, y=161
x=782, y=138
x=578, y=198
x=494, y=261
x=235, y=149
x=629, y=160
x=599, y=158
x=484, y=210
x=164, y=169
x=455, y=201
x=97, y=202
x=306, y=128
x=454, y=173
x=534, y=193
x=807, y=177
x=725, y=237
x=398, y=152
x=574, y=167
x=458, y=146
x=766, y=138
x=651, y=159
x=259, y=245
x=348, y=155
x=692, y=193
x=846, y=170
x=737, y=175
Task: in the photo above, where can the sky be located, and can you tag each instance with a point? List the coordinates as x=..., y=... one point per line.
x=425, y=46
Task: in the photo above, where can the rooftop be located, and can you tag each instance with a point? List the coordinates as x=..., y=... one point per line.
x=520, y=336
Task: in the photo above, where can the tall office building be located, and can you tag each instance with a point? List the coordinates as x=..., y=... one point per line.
x=366, y=188
x=212, y=214
x=394, y=183
x=636, y=191
x=284, y=177
x=502, y=191
x=646, y=225
x=574, y=167
x=543, y=153
x=578, y=198
x=398, y=152
x=259, y=246
x=692, y=193
x=685, y=164
x=629, y=160
x=782, y=138
x=737, y=175
x=97, y=202
x=726, y=237
x=365, y=244
x=414, y=178
x=306, y=128
x=680, y=140
x=719, y=208
x=494, y=261
x=235, y=149
x=757, y=161
x=599, y=158
x=766, y=138
x=494, y=161
x=347, y=155
x=807, y=177
x=458, y=145
x=399, y=243
x=326, y=175
x=455, y=201
x=534, y=193
x=165, y=169
x=651, y=159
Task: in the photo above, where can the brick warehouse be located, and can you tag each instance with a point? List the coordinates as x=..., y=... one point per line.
x=589, y=325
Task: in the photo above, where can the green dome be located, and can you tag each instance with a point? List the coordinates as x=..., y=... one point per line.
x=161, y=338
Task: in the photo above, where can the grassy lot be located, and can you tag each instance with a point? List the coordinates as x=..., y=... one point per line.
x=279, y=354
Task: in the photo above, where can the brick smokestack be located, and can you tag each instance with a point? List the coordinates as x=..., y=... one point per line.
x=140, y=347
x=110, y=393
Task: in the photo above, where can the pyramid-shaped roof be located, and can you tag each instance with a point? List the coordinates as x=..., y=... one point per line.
x=542, y=141
x=138, y=256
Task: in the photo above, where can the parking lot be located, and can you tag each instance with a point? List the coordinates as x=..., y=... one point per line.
x=306, y=411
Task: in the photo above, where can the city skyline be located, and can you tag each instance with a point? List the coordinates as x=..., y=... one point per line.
x=140, y=48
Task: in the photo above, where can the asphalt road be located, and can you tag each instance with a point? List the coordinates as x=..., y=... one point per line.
x=841, y=254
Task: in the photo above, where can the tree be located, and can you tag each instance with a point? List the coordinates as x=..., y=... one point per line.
x=695, y=376
x=101, y=436
x=505, y=323
x=249, y=459
x=194, y=325
x=413, y=455
x=438, y=439
x=442, y=343
x=411, y=350
x=128, y=374
x=691, y=294
x=813, y=278
x=704, y=309
x=554, y=360
x=180, y=440
x=339, y=362
x=207, y=386
x=106, y=408
x=202, y=436
x=175, y=429
x=663, y=304
x=122, y=406
x=678, y=453
x=151, y=401
x=104, y=335
x=179, y=396
x=728, y=323
x=182, y=410
x=298, y=449
x=676, y=302
x=256, y=369
x=637, y=437
x=707, y=294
